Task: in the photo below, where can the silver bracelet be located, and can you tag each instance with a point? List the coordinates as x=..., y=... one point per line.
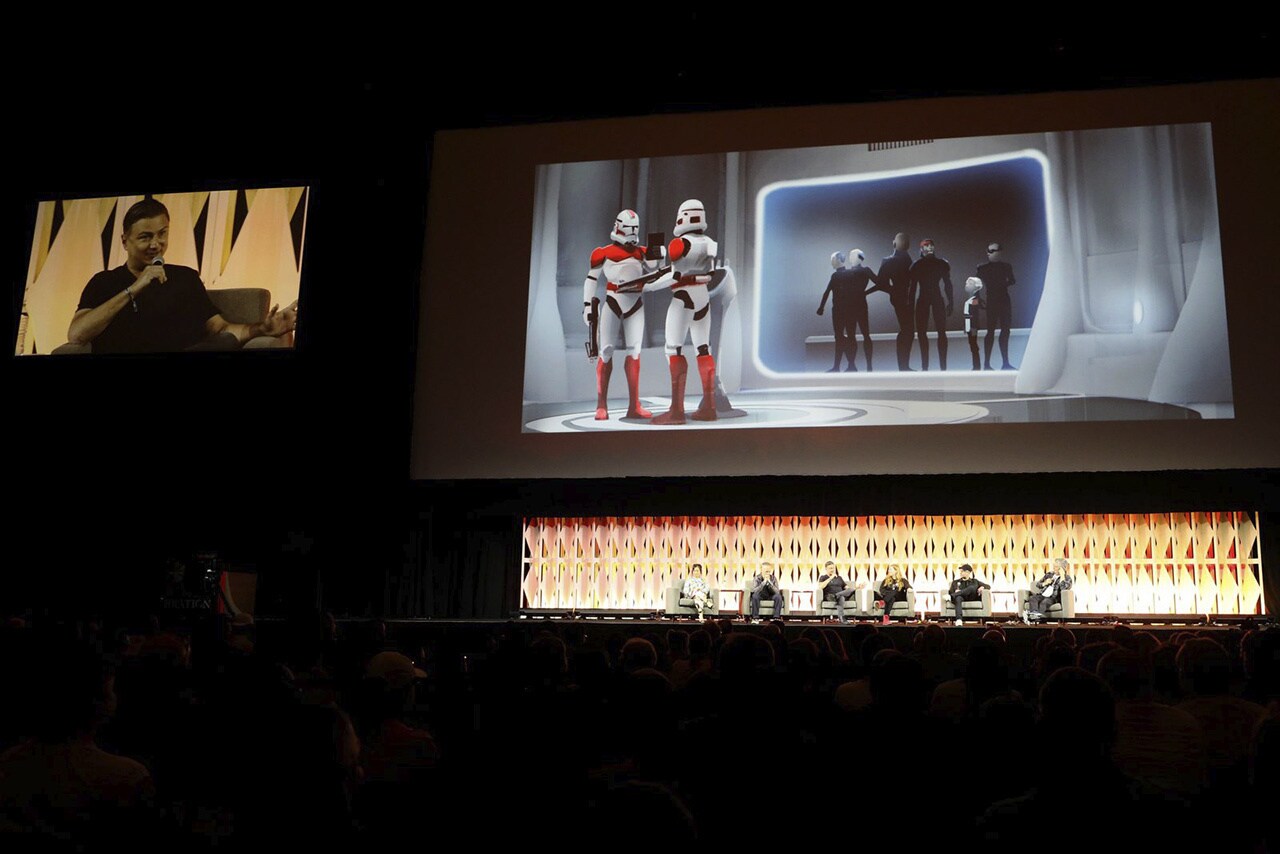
x=132, y=301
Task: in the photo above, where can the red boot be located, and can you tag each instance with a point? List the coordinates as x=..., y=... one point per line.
x=603, y=371
x=706, y=410
x=632, y=368
x=679, y=371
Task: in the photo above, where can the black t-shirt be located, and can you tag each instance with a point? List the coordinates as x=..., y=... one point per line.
x=171, y=314
x=836, y=585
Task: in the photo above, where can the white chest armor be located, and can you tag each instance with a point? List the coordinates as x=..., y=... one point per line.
x=619, y=272
x=700, y=258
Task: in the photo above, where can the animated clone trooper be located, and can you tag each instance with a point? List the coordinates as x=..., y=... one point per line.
x=623, y=260
x=692, y=256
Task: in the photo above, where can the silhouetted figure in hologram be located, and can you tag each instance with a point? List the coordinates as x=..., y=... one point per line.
x=895, y=279
x=929, y=274
x=997, y=278
x=973, y=307
x=848, y=290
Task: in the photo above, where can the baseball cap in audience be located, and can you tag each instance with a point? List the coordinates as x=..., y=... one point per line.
x=395, y=668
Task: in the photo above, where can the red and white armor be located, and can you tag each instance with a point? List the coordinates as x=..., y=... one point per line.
x=623, y=260
x=692, y=255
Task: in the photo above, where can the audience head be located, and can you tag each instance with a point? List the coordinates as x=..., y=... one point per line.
x=700, y=643
x=1078, y=711
x=745, y=656
x=1145, y=643
x=1125, y=673
x=1204, y=669
x=393, y=675
x=638, y=654
x=1063, y=635
x=873, y=645
x=897, y=683
x=933, y=639
x=678, y=643
x=1055, y=657
x=833, y=644
x=1088, y=656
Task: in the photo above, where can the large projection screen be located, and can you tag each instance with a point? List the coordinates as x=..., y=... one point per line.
x=1131, y=339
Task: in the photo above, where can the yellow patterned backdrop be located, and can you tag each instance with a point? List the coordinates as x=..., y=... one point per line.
x=1123, y=563
x=234, y=238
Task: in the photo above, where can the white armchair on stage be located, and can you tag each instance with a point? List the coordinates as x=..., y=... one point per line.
x=1063, y=609
x=978, y=608
x=869, y=605
x=679, y=606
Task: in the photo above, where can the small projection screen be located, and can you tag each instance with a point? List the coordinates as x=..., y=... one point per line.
x=232, y=259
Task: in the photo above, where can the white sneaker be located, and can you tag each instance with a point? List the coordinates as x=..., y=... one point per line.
x=959, y=622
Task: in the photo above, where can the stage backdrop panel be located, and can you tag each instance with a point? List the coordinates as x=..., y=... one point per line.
x=1123, y=563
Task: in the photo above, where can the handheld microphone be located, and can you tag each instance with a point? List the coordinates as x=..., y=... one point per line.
x=158, y=261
